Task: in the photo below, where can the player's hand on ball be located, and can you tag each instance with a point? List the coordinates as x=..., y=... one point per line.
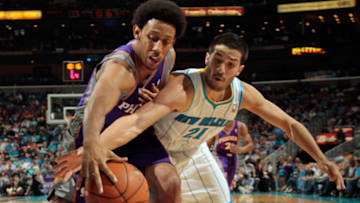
x=146, y=95
x=95, y=156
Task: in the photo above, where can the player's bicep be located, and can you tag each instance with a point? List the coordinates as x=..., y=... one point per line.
x=114, y=79
x=254, y=101
x=176, y=95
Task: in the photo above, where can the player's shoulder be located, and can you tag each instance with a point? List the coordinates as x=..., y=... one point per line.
x=187, y=76
x=179, y=77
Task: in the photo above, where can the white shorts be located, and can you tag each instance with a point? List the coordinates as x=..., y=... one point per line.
x=201, y=177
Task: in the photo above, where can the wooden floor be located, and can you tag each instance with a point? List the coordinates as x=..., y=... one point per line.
x=270, y=198
x=237, y=198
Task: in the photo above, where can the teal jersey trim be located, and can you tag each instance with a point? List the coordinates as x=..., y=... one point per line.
x=241, y=93
x=207, y=98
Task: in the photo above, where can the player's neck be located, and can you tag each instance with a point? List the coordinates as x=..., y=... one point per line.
x=144, y=74
x=218, y=95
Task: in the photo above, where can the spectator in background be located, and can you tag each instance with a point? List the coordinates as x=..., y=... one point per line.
x=4, y=182
x=16, y=187
x=351, y=178
x=35, y=184
x=52, y=147
x=357, y=151
x=340, y=136
x=309, y=179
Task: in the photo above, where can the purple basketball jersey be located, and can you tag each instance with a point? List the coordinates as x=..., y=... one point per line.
x=145, y=149
x=227, y=159
x=225, y=139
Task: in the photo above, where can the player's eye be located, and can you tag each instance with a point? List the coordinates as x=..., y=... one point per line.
x=153, y=38
x=231, y=65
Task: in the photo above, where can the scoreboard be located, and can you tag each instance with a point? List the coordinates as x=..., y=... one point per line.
x=73, y=71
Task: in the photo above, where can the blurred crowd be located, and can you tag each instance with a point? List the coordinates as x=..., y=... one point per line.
x=28, y=146
x=292, y=175
x=322, y=111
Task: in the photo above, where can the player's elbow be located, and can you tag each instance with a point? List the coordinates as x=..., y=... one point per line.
x=293, y=126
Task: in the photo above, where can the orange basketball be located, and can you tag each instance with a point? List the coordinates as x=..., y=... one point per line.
x=131, y=186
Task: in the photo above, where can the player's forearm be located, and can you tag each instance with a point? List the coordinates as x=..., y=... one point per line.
x=249, y=146
x=94, y=117
x=93, y=120
x=119, y=133
x=301, y=136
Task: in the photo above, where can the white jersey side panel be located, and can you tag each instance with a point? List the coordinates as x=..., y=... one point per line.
x=185, y=131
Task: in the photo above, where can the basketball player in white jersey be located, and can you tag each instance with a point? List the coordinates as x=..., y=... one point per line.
x=194, y=106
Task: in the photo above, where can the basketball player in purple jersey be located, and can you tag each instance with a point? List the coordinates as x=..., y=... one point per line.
x=118, y=86
x=227, y=147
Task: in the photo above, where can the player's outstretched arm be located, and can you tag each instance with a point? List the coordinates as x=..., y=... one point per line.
x=114, y=78
x=175, y=96
x=254, y=101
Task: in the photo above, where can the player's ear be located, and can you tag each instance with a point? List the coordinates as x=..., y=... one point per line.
x=241, y=68
x=207, y=56
x=136, y=32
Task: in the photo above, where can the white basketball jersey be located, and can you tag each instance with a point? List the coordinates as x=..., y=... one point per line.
x=185, y=131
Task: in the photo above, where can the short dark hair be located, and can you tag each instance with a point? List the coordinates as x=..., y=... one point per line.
x=232, y=41
x=163, y=10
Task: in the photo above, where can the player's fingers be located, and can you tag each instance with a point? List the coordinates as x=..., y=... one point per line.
x=150, y=93
x=87, y=181
x=67, y=176
x=79, y=151
x=108, y=172
x=155, y=89
x=114, y=157
x=141, y=100
x=97, y=178
x=340, y=183
x=61, y=160
x=61, y=174
x=65, y=157
x=145, y=95
x=59, y=167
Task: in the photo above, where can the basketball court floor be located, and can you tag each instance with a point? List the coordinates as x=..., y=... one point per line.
x=273, y=197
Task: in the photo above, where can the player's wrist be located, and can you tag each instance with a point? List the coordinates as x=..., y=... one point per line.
x=90, y=142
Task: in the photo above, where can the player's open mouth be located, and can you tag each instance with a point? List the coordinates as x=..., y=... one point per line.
x=219, y=78
x=153, y=60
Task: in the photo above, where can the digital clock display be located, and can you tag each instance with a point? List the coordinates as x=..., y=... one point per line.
x=73, y=71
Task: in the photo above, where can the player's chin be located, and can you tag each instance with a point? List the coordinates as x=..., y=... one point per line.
x=217, y=87
x=152, y=66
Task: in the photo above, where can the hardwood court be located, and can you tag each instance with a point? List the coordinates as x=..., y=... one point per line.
x=277, y=197
x=237, y=198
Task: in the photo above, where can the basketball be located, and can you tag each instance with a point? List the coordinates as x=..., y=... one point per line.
x=131, y=186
